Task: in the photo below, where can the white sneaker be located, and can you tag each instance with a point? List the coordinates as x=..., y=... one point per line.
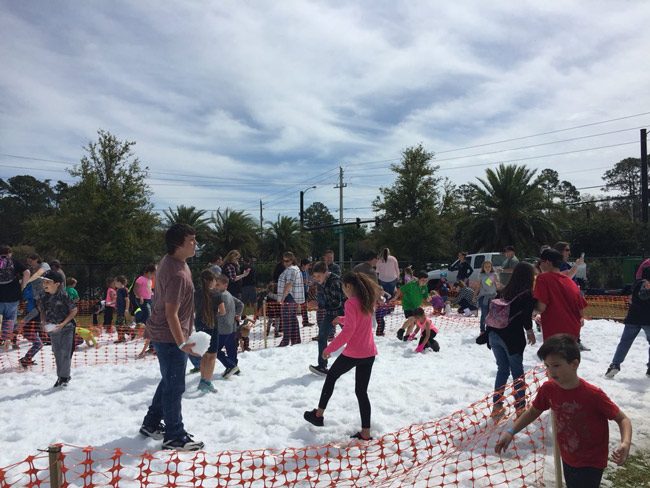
x=467, y=312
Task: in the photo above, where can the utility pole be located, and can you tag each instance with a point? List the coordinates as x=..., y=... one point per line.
x=261, y=222
x=340, y=186
x=644, y=176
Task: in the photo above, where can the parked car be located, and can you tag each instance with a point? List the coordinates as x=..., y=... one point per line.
x=475, y=260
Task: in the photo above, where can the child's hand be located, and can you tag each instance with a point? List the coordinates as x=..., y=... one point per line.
x=411, y=337
x=326, y=355
x=420, y=348
x=503, y=442
x=619, y=456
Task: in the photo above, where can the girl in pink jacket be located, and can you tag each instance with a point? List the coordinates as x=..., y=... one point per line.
x=359, y=352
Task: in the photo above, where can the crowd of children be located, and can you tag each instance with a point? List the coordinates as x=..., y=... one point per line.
x=358, y=304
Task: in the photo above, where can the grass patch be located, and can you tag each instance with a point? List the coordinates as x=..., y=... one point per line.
x=634, y=474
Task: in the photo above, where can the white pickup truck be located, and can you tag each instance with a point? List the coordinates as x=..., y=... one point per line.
x=475, y=260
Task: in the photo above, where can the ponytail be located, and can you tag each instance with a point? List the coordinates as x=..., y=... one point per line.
x=384, y=254
x=207, y=314
x=365, y=289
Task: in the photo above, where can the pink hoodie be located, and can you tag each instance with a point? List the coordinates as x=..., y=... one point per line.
x=357, y=332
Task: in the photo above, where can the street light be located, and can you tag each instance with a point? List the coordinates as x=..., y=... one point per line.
x=302, y=204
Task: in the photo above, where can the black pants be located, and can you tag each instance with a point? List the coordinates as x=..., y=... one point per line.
x=342, y=365
x=582, y=477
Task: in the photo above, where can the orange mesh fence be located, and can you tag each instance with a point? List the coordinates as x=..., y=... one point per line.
x=276, y=325
x=607, y=307
x=457, y=450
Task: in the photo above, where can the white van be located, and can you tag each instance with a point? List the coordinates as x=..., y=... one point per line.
x=475, y=260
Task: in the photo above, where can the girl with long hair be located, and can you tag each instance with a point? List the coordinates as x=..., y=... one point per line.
x=207, y=304
x=231, y=269
x=508, y=344
x=359, y=352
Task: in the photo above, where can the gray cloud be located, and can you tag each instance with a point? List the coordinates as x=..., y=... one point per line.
x=277, y=93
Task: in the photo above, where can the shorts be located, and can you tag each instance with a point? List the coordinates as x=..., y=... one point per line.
x=214, y=339
x=409, y=313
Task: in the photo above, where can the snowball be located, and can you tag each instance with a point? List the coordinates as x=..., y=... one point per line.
x=49, y=327
x=201, y=342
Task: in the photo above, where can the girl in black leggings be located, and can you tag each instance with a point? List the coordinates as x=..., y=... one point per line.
x=360, y=350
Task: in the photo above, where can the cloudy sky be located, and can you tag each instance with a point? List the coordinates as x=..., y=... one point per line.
x=231, y=102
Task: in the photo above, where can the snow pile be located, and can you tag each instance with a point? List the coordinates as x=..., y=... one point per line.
x=262, y=408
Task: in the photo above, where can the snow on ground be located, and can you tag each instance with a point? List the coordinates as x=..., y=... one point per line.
x=262, y=408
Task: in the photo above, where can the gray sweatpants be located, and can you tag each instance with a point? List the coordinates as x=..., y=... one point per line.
x=62, y=342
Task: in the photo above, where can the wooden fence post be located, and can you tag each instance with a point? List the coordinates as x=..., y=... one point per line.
x=56, y=473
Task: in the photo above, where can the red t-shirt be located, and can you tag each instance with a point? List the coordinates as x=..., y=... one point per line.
x=563, y=302
x=581, y=414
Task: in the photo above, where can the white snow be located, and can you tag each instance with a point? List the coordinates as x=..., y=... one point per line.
x=262, y=408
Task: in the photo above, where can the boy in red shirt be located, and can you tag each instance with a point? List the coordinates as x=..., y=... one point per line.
x=582, y=411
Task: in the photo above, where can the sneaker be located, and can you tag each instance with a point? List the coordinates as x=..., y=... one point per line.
x=61, y=382
x=206, y=386
x=26, y=362
x=194, y=370
x=186, y=443
x=467, y=312
x=498, y=412
x=319, y=370
x=400, y=334
x=311, y=417
x=157, y=432
x=359, y=436
x=614, y=369
x=229, y=372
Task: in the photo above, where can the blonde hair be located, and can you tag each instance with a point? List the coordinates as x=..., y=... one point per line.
x=232, y=256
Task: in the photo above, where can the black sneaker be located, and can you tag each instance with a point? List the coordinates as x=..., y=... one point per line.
x=229, y=372
x=61, y=382
x=311, y=417
x=360, y=437
x=400, y=334
x=186, y=443
x=194, y=370
x=319, y=370
x=613, y=370
x=157, y=432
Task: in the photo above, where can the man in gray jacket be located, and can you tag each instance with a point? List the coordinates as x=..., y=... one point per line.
x=227, y=328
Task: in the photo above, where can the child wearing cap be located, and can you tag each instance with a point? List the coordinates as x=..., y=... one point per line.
x=58, y=312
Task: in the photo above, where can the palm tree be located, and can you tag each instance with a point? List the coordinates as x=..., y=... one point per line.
x=285, y=235
x=234, y=229
x=190, y=216
x=509, y=207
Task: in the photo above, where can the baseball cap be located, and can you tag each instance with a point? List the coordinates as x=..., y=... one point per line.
x=54, y=276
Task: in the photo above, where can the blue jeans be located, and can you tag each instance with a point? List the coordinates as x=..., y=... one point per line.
x=629, y=334
x=484, y=305
x=230, y=343
x=145, y=312
x=166, y=403
x=388, y=286
x=325, y=329
x=507, y=364
x=9, y=311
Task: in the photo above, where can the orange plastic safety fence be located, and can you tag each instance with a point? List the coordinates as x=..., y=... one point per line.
x=607, y=307
x=278, y=325
x=457, y=450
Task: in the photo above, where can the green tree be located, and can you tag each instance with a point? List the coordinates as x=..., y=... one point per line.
x=557, y=191
x=190, y=216
x=408, y=210
x=234, y=229
x=316, y=215
x=106, y=216
x=625, y=177
x=285, y=235
x=510, y=208
x=22, y=198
